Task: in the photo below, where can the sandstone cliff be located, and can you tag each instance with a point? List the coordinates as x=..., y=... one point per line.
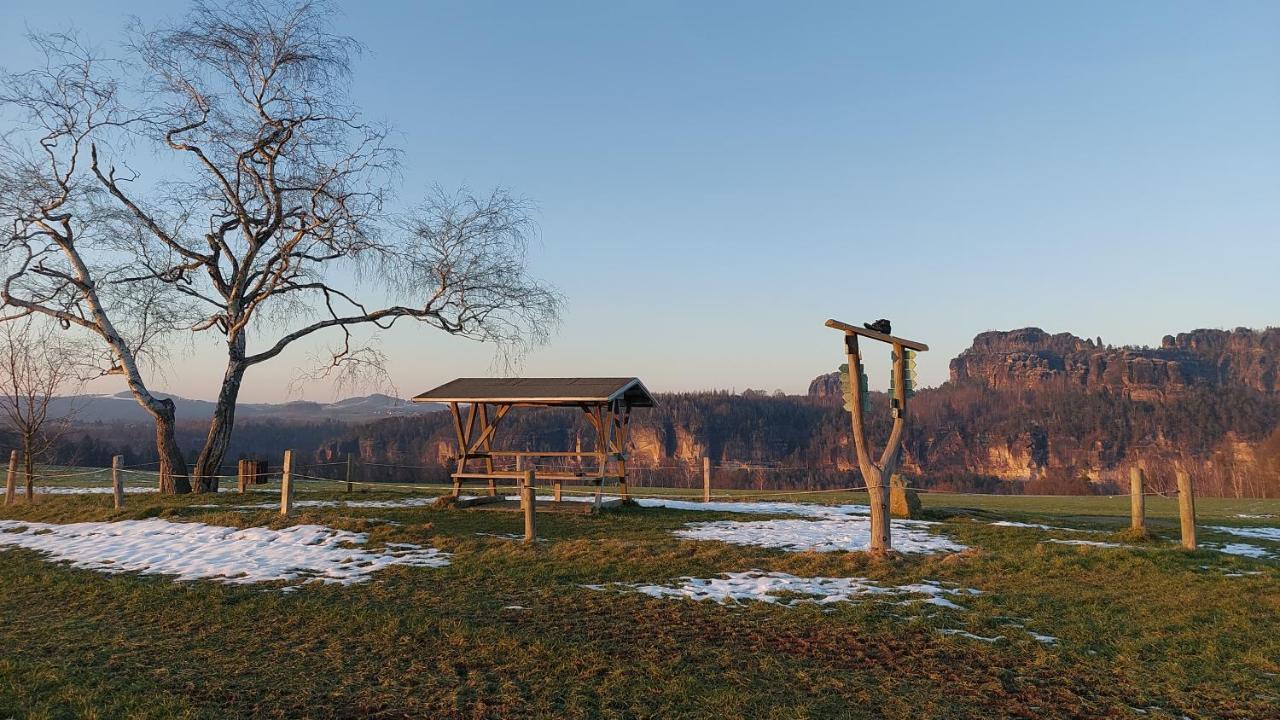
x=1031, y=359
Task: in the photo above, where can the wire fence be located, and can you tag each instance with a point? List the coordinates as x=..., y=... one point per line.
x=680, y=481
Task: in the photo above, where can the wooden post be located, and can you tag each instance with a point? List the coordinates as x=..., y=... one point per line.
x=117, y=487
x=530, y=503
x=1187, y=510
x=242, y=476
x=1137, y=513
x=10, y=483
x=348, y=472
x=286, y=483
x=706, y=479
x=556, y=485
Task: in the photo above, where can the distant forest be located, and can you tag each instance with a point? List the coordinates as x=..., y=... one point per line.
x=964, y=436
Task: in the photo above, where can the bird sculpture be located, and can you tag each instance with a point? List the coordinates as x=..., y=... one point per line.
x=880, y=326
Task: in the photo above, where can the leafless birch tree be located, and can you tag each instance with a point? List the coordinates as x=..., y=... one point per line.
x=273, y=224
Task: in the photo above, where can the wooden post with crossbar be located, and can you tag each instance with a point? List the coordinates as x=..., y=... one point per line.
x=875, y=474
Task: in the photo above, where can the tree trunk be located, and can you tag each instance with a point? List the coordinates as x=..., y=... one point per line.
x=173, y=467
x=29, y=469
x=209, y=463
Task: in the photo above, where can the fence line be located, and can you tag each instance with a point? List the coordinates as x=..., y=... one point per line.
x=693, y=486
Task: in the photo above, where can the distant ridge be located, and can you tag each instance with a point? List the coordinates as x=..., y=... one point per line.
x=121, y=407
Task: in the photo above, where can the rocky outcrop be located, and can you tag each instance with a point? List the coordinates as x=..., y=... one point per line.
x=1031, y=359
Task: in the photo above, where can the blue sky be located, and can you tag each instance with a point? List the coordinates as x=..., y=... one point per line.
x=714, y=180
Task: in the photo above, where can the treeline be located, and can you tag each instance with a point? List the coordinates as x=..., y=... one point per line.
x=1074, y=442
x=1059, y=441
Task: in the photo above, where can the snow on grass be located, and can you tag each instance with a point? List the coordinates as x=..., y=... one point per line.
x=784, y=589
x=1011, y=523
x=850, y=533
x=760, y=508
x=1258, y=533
x=194, y=551
x=971, y=636
x=1244, y=549
x=1046, y=639
x=1091, y=543
x=753, y=508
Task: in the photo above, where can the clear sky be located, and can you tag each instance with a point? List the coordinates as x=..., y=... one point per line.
x=714, y=180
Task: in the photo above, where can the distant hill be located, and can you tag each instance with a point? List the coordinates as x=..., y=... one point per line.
x=121, y=407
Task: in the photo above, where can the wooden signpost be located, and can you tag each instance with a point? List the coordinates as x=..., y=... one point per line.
x=876, y=474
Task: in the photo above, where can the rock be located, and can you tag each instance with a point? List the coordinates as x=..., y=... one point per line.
x=903, y=501
x=1031, y=359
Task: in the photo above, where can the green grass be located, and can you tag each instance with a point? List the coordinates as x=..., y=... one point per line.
x=1147, y=627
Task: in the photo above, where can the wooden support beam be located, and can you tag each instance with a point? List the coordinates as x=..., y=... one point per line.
x=479, y=443
x=864, y=332
x=462, y=446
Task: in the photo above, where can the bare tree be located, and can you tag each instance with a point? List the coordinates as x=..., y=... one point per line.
x=59, y=259
x=273, y=224
x=37, y=364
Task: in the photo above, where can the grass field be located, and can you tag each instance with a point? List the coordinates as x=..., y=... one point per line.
x=509, y=631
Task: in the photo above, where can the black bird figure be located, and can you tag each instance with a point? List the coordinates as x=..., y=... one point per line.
x=880, y=326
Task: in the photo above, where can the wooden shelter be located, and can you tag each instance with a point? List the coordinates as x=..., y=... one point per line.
x=605, y=402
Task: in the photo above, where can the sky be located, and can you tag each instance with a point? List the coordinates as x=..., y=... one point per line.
x=715, y=180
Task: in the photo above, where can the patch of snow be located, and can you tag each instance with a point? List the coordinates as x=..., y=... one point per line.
x=811, y=510
x=1046, y=639
x=1091, y=543
x=848, y=534
x=770, y=587
x=971, y=636
x=1254, y=517
x=1258, y=533
x=1244, y=549
x=193, y=551
x=1011, y=523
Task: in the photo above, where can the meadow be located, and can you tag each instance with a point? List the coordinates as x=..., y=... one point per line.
x=599, y=617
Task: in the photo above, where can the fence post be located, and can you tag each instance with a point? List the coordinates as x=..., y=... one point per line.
x=1187, y=510
x=706, y=479
x=117, y=487
x=530, y=503
x=10, y=486
x=1137, y=511
x=286, y=483
x=348, y=472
